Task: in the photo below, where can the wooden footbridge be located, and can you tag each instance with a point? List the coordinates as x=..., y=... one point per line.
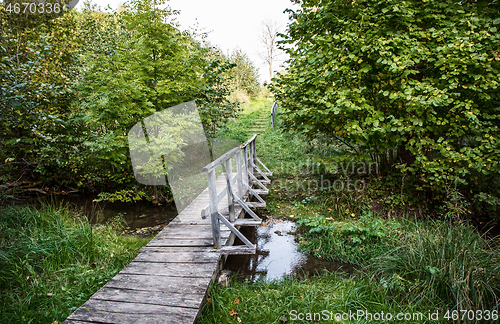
x=169, y=279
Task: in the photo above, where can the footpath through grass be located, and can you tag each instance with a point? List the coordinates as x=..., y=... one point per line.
x=52, y=260
x=412, y=267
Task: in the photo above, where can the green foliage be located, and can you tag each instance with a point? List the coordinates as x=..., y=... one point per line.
x=449, y=263
x=353, y=241
x=244, y=75
x=53, y=260
x=215, y=107
x=35, y=83
x=124, y=195
x=281, y=301
x=72, y=87
x=412, y=84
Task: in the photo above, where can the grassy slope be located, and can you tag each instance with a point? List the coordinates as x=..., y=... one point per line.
x=408, y=266
x=52, y=261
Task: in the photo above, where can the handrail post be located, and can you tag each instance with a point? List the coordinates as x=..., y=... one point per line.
x=214, y=202
x=245, y=160
x=254, y=157
x=250, y=158
x=230, y=202
x=238, y=174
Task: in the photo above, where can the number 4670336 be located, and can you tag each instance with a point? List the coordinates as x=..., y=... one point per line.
x=33, y=8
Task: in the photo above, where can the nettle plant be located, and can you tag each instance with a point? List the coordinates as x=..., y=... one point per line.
x=413, y=84
x=355, y=233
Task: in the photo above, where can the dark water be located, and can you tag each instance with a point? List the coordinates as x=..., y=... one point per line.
x=277, y=252
x=136, y=215
x=278, y=255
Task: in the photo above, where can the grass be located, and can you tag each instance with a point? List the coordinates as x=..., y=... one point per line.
x=283, y=300
x=52, y=260
x=406, y=265
x=240, y=129
x=441, y=262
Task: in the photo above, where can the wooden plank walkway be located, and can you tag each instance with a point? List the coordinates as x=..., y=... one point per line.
x=169, y=279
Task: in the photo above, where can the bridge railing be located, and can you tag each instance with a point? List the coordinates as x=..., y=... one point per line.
x=273, y=113
x=246, y=175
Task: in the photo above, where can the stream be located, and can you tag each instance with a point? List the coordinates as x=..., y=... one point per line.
x=278, y=255
x=277, y=252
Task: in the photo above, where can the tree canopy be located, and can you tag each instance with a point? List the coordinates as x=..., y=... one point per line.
x=413, y=84
x=74, y=84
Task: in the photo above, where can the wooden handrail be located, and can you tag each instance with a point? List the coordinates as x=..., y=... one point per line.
x=223, y=158
x=242, y=179
x=248, y=142
x=273, y=113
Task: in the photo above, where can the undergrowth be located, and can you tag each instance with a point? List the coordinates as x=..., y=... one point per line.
x=52, y=260
x=406, y=265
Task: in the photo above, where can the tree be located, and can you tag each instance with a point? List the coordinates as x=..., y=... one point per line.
x=37, y=71
x=73, y=86
x=412, y=84
x=244, y=75
x=269, y=40
x=213, y=100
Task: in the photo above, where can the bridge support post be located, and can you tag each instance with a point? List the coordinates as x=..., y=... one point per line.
x=238, y=174
x=245, y=157
x=214, y=213
x=230, y=201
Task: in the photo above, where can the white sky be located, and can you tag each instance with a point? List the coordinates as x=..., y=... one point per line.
x=230, y=23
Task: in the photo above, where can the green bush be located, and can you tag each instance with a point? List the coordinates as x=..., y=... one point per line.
x=411, y=84
x=354, y=241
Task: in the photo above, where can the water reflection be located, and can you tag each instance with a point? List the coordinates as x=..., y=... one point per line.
x=278, y=255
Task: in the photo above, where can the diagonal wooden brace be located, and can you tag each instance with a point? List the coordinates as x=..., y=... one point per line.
x=256, y=195
x=257, y=181
x=235, y=231
x=243, y=205
x=266, y=179
x=264, y=166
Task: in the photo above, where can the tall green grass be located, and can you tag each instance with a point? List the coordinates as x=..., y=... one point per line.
x=322, y=297
x=450, y=264
x=52, y=260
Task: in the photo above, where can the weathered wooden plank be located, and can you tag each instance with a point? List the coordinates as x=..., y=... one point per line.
x=189, y=231
x=247, y=222
x=183, y=242
x=88, y=315
x=195, y=257
x=220, y=160
x=256, y=204
x=261, y=191
x=149, y=297
x=176, y=249
x=200, y=234
x=237, y=250
x=190, y=270
x=198, y=217
x=180, y=242
x=159, y=283
x=184, y=228
x=137, y=308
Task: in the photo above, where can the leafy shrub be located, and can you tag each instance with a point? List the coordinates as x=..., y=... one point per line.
x=353, y=241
